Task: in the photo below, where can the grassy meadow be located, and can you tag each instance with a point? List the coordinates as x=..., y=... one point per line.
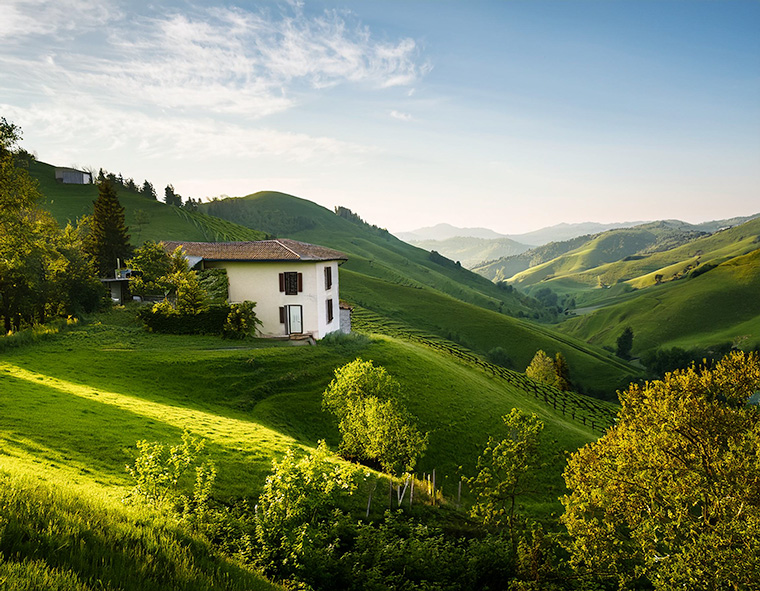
x=718, y=306
x=147, y=219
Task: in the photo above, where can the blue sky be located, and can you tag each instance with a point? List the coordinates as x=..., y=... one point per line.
x=511, y=115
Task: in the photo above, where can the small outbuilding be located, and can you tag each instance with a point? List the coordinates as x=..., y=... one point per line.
x=72, y=176
x=295, y=284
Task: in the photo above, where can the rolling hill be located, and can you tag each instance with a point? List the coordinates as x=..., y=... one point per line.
x=147, y=219
x=716, y=306
x=372, y=251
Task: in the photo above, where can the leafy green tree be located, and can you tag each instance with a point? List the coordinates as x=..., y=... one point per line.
x=625, y=343
x=42, y=272
x=374, y=424
x=562, y=369
x=506, y=471
x=159, y=471
x=671, y=493
x=542, y=369
x=108, y=239
x=299, y=492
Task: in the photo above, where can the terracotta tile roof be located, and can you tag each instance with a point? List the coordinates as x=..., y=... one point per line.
x=281, y=249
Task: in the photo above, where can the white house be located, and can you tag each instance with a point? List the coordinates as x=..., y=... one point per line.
x=294, y=284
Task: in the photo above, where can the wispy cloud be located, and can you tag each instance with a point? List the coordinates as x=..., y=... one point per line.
x=76, y=127
x=400, y=116
x=223, y=60
x=53, y=18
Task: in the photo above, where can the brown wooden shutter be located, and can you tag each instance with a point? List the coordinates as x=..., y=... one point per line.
x=282, y=281
x=282, y=313
x=300, y=282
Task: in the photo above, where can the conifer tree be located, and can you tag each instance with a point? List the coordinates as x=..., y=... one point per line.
x=108, y=239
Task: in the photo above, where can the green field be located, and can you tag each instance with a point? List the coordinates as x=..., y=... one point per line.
x=721, y=305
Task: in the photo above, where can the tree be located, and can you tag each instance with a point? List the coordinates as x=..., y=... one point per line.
x=108, y=239
x=625, y=343
x=671, y=493
x=373, y=422
x=150, y=265
x=172, y=198
x=148, y=191
x=505, y=470
x=42, y=272
x=541, y=369
x=562, y=369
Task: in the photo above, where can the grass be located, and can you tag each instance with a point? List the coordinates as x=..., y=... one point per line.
x=715, y=307
x=68, y=203
x=482, y=330
x=372, y=251
x=53, y=537
x=115, y=384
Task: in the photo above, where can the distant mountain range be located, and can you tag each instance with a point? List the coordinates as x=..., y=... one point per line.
x=474, y=247
x=555, y=233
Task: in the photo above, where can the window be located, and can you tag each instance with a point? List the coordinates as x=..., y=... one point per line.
x=291, y=283
x=329, y=311
x=328, y=277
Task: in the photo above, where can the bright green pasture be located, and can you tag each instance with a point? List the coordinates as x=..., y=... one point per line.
x=74, y=405
x=482, y=330
x=57, y=537
x=147, y=219
x=717, y=306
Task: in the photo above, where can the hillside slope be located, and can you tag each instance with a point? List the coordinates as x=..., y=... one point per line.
x=146, y=219
x=716, y=306
x=372, y=251
x=584, y=254
x=251, y=402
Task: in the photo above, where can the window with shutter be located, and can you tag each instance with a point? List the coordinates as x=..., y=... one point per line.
x=328, y=277
x=291, y=283
x=329, y=311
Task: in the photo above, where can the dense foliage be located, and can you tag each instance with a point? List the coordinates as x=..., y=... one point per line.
x=671, y=494
x=43, y=271
x=374, y=424
x=107, y=241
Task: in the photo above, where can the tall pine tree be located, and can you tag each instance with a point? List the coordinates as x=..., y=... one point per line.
x=108, y=239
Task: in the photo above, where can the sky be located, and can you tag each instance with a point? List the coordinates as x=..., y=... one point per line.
x=509, y=115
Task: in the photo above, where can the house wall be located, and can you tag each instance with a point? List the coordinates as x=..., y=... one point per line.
x=259, y=282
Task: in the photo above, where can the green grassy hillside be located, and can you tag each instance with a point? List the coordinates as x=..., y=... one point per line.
x=372, y=251
x=147, y=219
x=605, y=248
x=482, y=330
x=115, y=383
x=716, y=306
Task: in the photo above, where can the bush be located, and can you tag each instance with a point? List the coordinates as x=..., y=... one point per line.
x=163, y=318
x=241, y=321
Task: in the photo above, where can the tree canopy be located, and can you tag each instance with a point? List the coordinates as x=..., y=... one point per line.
x=43, y=272
x=374, y=424
x=671, y=494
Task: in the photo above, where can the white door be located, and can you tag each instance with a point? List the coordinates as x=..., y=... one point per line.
x=295, y=319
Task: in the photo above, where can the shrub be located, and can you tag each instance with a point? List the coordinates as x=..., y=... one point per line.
x=164, y=318
x=241, y=321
